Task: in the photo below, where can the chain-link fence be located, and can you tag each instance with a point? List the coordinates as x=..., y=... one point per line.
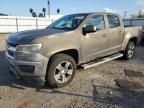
x=15, y=24
x=134, y=22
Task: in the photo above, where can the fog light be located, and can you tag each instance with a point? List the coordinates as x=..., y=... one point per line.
x=26, y=69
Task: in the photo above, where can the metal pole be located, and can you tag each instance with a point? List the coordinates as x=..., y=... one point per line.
x=49, y=11
x=125, y=14
x=131, y=21
x=36, y=23
x=17, y=24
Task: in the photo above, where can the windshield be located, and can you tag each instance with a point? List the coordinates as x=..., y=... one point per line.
x=70, y=22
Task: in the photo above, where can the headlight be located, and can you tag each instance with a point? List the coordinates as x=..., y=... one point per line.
x=29, y=48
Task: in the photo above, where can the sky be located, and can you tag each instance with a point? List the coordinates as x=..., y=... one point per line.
x=21, y=7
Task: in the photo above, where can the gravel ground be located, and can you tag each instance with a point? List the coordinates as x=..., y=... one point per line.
x=92, y=88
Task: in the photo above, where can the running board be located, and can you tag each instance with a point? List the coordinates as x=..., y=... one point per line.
x=102, y=60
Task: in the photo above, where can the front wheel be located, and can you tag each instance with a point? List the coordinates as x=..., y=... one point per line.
x=61, y=70
x=130, y=50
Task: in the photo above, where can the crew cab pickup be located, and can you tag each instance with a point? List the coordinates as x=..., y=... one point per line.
x=86, y=39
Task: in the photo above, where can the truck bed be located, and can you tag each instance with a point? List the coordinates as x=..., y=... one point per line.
x=134, y=31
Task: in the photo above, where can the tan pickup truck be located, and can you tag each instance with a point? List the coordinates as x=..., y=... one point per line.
x=53, y=54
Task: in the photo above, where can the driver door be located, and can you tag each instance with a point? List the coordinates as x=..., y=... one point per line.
x=94, y=45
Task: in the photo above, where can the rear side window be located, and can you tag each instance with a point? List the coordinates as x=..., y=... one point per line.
x=98, y=21
x=113, y=21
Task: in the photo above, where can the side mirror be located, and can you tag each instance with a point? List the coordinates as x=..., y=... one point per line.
x=89, y=29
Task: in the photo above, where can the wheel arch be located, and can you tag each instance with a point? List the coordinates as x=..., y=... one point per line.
x=134, y=39
x=74, y=53
x=128, y=37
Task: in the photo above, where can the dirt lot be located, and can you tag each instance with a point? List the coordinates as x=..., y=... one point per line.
x=92, y=88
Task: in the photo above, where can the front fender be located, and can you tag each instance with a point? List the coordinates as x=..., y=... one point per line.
x=49, y=54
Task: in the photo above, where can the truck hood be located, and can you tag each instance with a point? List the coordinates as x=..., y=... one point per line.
x=26, y=37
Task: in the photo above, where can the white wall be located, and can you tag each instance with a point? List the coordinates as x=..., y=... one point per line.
x=10, y=24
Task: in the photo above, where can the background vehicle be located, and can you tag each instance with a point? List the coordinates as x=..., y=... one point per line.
x=52, y=54
x=142, y=36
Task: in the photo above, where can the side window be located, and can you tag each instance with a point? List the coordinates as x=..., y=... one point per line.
x=113, y=21
x=97, y=20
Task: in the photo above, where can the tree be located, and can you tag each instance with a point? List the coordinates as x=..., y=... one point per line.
x=58, y=11
x=31, y=10
x=44, y=11
x=139, y=14
x=34, y=14
x=41, y=15
x=2, y=14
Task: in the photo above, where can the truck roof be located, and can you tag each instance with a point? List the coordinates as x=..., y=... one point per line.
x=94, y=13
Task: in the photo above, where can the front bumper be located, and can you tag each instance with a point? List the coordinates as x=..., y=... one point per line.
x=40, y=67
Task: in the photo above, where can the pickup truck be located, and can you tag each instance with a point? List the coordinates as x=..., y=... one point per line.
x=53, y=54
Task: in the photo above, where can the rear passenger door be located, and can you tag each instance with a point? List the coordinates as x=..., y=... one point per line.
x=116, y=32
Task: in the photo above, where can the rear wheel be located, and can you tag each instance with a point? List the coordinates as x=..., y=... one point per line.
x=142, y=42
x=61, y=70
x=130, y=50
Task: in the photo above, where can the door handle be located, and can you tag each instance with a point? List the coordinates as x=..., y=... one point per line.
x=120, y=32
x=105, y=35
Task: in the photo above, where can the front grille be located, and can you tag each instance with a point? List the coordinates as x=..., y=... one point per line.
x=11, y=53
x=11, y=44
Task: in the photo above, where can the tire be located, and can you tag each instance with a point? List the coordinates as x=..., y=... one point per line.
x=58, y=73
x=130, y=50
x=142, y=42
